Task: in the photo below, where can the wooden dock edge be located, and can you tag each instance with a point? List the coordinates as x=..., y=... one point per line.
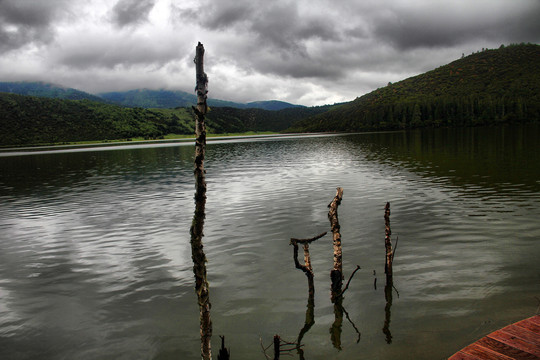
x=520, y=340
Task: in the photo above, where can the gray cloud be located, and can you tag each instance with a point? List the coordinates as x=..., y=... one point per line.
x=131, y=12
x=302, y=50
x=116, y=51
x=440, y=26
x=23, y=22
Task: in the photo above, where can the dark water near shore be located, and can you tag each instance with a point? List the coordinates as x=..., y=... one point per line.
x=95, y=259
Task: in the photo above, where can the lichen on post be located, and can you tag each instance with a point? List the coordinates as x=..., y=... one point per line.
x=197, y=253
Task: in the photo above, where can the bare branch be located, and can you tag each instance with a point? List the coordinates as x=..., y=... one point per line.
x=349, y=281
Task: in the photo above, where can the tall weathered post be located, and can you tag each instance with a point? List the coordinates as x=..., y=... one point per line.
x=197, y=226
x=336, y=275
x=388, y=245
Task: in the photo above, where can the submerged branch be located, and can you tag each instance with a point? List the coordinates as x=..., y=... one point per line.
x=349, y=281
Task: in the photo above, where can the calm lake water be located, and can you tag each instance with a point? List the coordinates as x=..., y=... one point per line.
x=95, y=256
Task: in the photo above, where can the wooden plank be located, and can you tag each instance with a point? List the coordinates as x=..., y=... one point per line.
x=519, y=341
x=484, y=353
x=535, y=319
x=505, y=349
x=460, y=355
x=523, y=334
x=516, y=342
x=529, y=325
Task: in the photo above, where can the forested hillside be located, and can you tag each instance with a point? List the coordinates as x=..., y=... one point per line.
x=252, y=119
x=488, y=87
x=28, y=120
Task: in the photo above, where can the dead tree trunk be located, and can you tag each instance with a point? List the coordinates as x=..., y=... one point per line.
x=336, y=275
x=197, y=226
x=388, y=245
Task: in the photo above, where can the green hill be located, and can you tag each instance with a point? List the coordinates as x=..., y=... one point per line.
x=31, y=120
x=257, y=119
x=492, y=86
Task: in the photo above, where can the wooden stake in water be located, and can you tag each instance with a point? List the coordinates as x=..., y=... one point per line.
x=388, y=245
x=197, y=226
x=336, y=275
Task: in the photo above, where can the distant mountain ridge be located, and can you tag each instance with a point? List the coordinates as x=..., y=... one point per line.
x=42, y=89
x=147, y=98
x=143, y=98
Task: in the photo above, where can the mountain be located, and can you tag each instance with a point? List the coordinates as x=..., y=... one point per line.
x=164, y=99
x=258, y=119
x=273, y=105
x=146, y=98
x=488, y=87
x=47, y=90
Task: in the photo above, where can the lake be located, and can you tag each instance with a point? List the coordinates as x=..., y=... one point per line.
x=95, y=255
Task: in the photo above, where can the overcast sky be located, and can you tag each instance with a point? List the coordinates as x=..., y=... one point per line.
x=308, y=52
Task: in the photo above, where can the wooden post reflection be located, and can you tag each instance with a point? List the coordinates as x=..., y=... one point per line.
x=387, y=312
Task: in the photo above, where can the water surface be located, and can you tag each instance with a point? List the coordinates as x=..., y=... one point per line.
x=95, y=260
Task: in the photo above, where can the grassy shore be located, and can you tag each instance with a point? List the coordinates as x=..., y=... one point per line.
x=135, y=140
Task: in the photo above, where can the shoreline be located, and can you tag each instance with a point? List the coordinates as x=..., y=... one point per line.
x=100, y=143
x=118, y=145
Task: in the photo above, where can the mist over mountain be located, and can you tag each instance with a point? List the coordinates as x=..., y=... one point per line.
x=143, y=98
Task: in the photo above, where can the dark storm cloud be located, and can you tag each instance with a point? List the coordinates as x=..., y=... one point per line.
x=130, y=12
x=274, y=36
x=117, y=52
x=295, y=49
x=23, y=22
x=444, y=26
x=222, y=15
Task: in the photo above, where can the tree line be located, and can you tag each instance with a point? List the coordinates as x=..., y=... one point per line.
x=490, y=87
